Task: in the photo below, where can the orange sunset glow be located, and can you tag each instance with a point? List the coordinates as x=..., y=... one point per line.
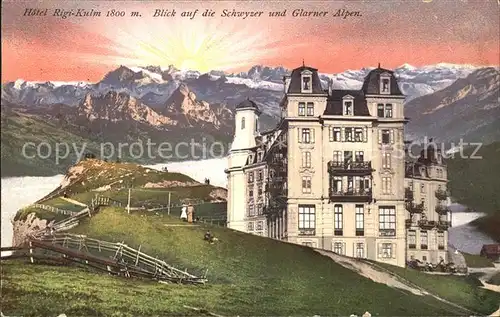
x=41, y=48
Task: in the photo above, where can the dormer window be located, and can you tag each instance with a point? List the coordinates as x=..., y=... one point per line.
x=306, y=81
x=385, y=83
x=348, y=102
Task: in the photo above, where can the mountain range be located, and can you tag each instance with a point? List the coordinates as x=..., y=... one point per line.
x=137, y=103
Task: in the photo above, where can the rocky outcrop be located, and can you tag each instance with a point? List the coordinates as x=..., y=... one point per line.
x=23, y=228
x=218, y=194
x=184, y=106
x=119, y=106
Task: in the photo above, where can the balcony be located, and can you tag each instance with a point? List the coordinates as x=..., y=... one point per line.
x=444, y=224
x=414, y=208
x=387, y=232
x=408, y=194
x=427, y=224
x=441, y=194
x=442, y=210
x=350, y=196
x=350, y=168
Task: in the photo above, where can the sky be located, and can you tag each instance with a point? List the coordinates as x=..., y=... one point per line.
x=390, y=32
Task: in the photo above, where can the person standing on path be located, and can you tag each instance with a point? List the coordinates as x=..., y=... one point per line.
x=184, y=213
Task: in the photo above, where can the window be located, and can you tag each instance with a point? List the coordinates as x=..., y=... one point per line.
x=242, y=123
x=336, y=134
x=250, y=193
x=250, y=177
x=250, y=226
x=307, y=217
x=386, y=160
x=338, y=220
x=412, y=239
x=422, y=188
x=380, y=110
x=424, y=258
x=386, y=250
x=358, y=134
x=306, y=135
x=260, y=225
x=360, y=221
x=348, y=108
x=306, y=83
x=386, y=136
x=259, y=175
x=302, y=109
x=440, y=238
x=338, y=247
x=306, y=184
x=387, y=220
x=384, y=85
x=360, y=250
x=259, y=209
x=359, y=156
x=347, y=157
x=388, y=110
x=424, y=240
x=310, y=109
x=386, y=185
x=251, y=211
x=337, y=156
x=337, y=184
x=306, y=159
x=259, y=191
x=348, y=134
x=307, y=244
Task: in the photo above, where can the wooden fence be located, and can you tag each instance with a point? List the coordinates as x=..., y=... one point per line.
x=115, y=258
x=54, y=209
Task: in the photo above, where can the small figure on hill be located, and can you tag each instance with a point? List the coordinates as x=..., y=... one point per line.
x=209, y=237
x=207, y=181
x=190, y=213
x=184, y=213
x=165, y=169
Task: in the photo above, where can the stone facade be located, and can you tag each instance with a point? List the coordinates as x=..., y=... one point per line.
x=331, y=175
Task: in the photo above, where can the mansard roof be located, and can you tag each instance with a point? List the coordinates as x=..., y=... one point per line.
x=335, y=105
x=371, y=84
x=296, y=81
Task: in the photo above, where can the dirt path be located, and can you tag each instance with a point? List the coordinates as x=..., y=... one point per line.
x=381, y=275
x=488, y=273
x=74, y=202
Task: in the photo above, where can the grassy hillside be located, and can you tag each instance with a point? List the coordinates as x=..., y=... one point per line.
x=248, y=275
x=476, y=183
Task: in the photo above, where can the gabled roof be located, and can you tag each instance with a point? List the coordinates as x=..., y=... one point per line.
x=335, y=105
x=371, y=84
x=296, y=81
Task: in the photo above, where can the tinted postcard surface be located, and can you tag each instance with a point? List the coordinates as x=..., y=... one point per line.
x=250, y=158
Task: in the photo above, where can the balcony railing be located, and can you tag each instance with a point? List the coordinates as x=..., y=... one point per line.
x=441, y=194
x=351, y=195
x=414, y=208
x=427, y=224
x=442, y=210
x=307, y=232
x=410, y=223
x=387, y=232
x=350, y=167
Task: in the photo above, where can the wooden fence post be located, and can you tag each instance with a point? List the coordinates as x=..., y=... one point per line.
x=137, y=258
x=31, y=252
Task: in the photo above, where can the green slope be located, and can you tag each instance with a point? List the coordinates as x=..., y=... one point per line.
x=248, y=275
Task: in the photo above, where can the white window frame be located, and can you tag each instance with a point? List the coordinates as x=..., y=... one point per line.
x=360, y=218
x=307, y=217
x=243, y=123
x=310, y=106
x=306, y=159
x=387, y=250
x=386, y=160
x=387, y=218
x=359, y=246
x=382, y=77
x=386, y=185
x=338, y=247
x=306, y=184
x=348, y=99
x=306, y=74
x=302, y=109
x=338, y=218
